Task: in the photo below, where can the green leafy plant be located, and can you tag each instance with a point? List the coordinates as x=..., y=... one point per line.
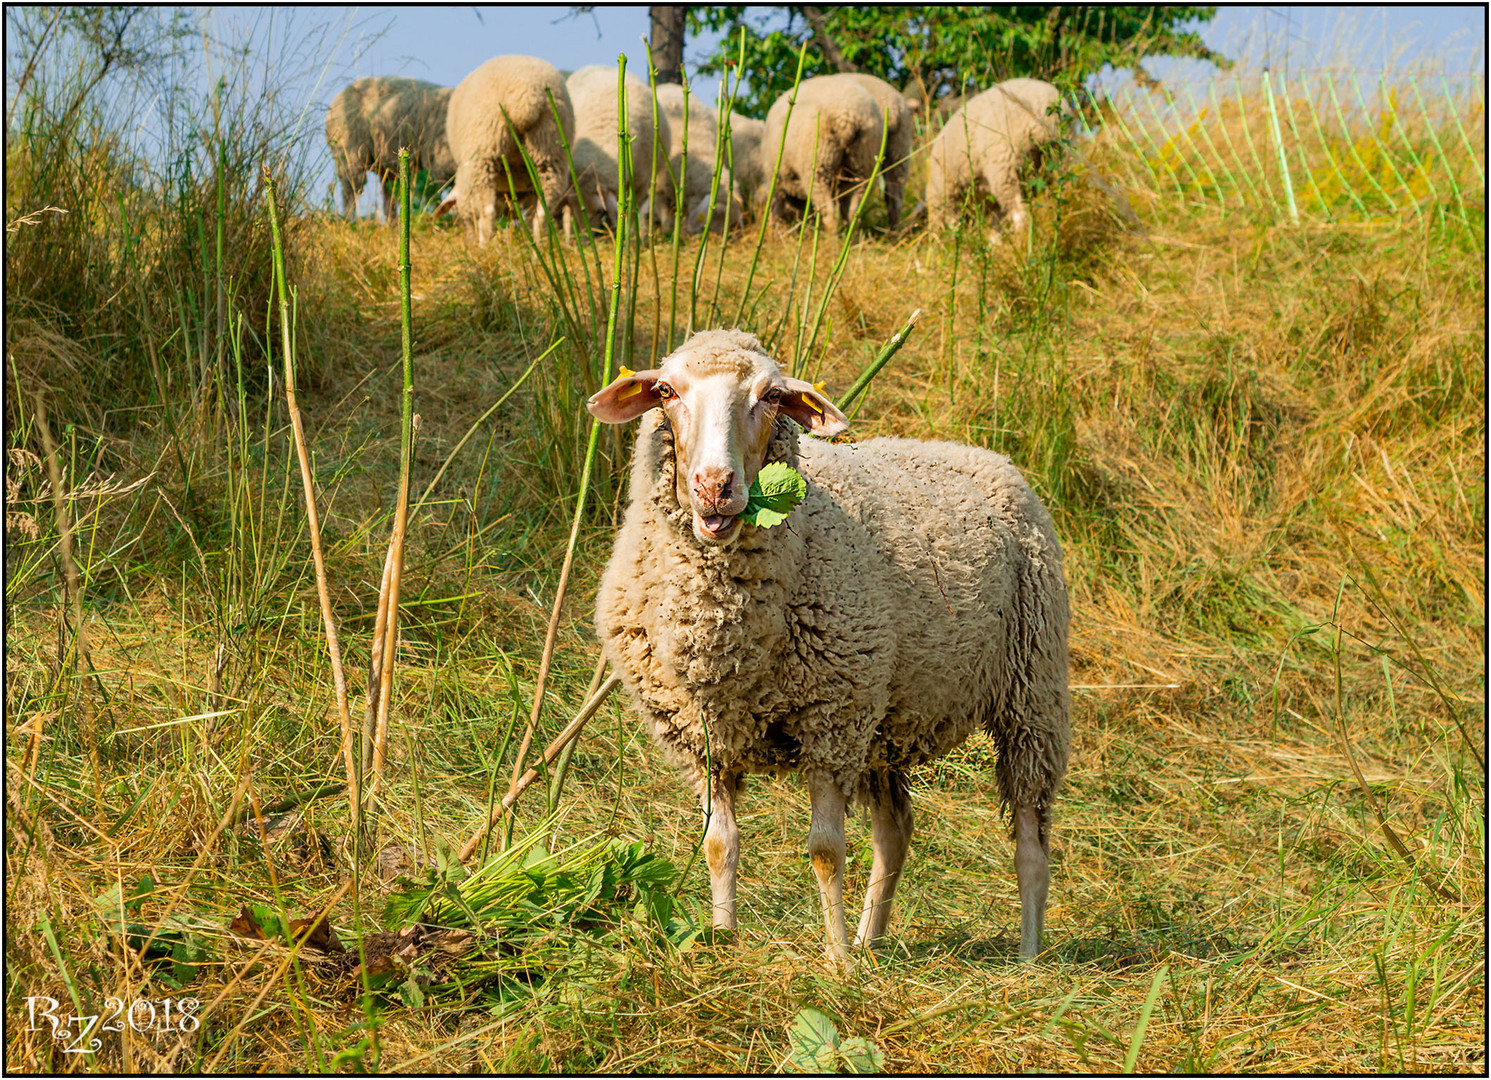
x=775, y=491
x=818, y=1048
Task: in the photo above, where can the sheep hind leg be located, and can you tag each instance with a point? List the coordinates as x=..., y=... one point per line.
x=826, y=849
x=1033, y=870
x=722, y=847
x=890, y=824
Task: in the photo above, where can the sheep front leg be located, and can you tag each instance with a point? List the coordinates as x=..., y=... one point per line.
x=890, y=824
x=1032, y=869
x=721, y=847
x=351, y=191
x=826, y=849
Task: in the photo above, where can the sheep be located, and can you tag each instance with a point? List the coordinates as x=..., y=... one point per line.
x=698, y=171
x=914, y=595
x=749, y=166
x=838, y=115
x=482, y=139
x=371, y=119
x=983, y=147
x=592, y=92
x=896, y=110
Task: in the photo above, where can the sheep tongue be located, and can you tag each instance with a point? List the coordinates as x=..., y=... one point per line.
x=716, y=523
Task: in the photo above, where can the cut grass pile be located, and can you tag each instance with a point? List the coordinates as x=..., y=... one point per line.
x=1263, y=444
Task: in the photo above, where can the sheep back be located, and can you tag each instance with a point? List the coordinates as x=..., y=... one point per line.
x=372, y=118
x=592, y=92
x=844, y=120
x=698, y=171
x=481, y=141
x=896, y=110
x=746, y=156
x=985, y=142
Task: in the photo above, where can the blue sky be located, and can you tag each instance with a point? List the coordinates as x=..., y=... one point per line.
x=442, y=44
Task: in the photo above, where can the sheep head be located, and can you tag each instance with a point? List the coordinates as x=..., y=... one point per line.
x=721, y=394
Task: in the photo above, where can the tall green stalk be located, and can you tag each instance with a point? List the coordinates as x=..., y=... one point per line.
x=840, y=264
x=679, y=209
x=771, y=187
x=623, y=216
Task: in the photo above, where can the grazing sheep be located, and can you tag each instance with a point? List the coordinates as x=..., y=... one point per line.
x=482, y=139
x=983, y=146
x=698, y=171
x=894, y=106
x=592, y=92
x=748, y=163
x=842, y=118
x=915, y=595
x=371, y=119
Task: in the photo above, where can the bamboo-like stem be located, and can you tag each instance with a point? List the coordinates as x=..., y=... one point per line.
x=313, y=522
x=1242, y=170
x=652, y=203
x=1242, y=112
x=395, y=562
x=771, y=187
x=1480, y=174
x=1439, y=149
x=893, y=346
x=561, y=740
x=1212, y=147
x=1387, y=155
x=551, y=636
x=727, y=110
x=680, y=199
x=1351, y=145
x=841, y=263
x=1273, y=124
x=1299, y=149
x=1330, y=156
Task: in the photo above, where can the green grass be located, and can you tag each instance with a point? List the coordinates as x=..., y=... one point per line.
x=1251, y=434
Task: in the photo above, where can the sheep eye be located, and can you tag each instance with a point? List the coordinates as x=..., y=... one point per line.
x=664, y=391
x=774, y=395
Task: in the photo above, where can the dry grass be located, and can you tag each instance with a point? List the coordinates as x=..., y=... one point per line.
x=1250, y=433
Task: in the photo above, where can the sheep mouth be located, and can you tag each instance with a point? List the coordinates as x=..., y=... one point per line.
x=716, y=528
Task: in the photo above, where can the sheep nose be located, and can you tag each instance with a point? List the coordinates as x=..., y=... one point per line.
x=713, y=487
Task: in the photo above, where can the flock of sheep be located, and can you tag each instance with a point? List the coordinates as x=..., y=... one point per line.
x=915, y=596
x=477, y=133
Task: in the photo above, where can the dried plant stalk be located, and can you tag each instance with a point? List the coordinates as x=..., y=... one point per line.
x=313, y=522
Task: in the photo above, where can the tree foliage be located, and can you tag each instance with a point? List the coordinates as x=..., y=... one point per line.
x=944, y=50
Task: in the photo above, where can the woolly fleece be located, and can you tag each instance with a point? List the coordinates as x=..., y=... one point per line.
x=592, y=92
x=844, y=118
x=893, y=104
x=481, y=141
x=368, y=122
x=915, y=595
x=983, y=146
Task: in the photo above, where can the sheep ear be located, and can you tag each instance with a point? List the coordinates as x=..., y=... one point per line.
x=627, y=398
x=806, y=404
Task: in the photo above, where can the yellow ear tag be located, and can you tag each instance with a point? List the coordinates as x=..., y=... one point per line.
x=626, y=372
x=819, y=386
x=631, y=392
x=810, y=403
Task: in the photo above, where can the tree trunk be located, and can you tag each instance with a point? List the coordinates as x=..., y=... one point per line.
x=666, y=44
x=830, y=48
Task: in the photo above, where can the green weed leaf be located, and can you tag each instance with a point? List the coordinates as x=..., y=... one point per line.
x=775, y=491
x=815, y=1042
x=861, y=1055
